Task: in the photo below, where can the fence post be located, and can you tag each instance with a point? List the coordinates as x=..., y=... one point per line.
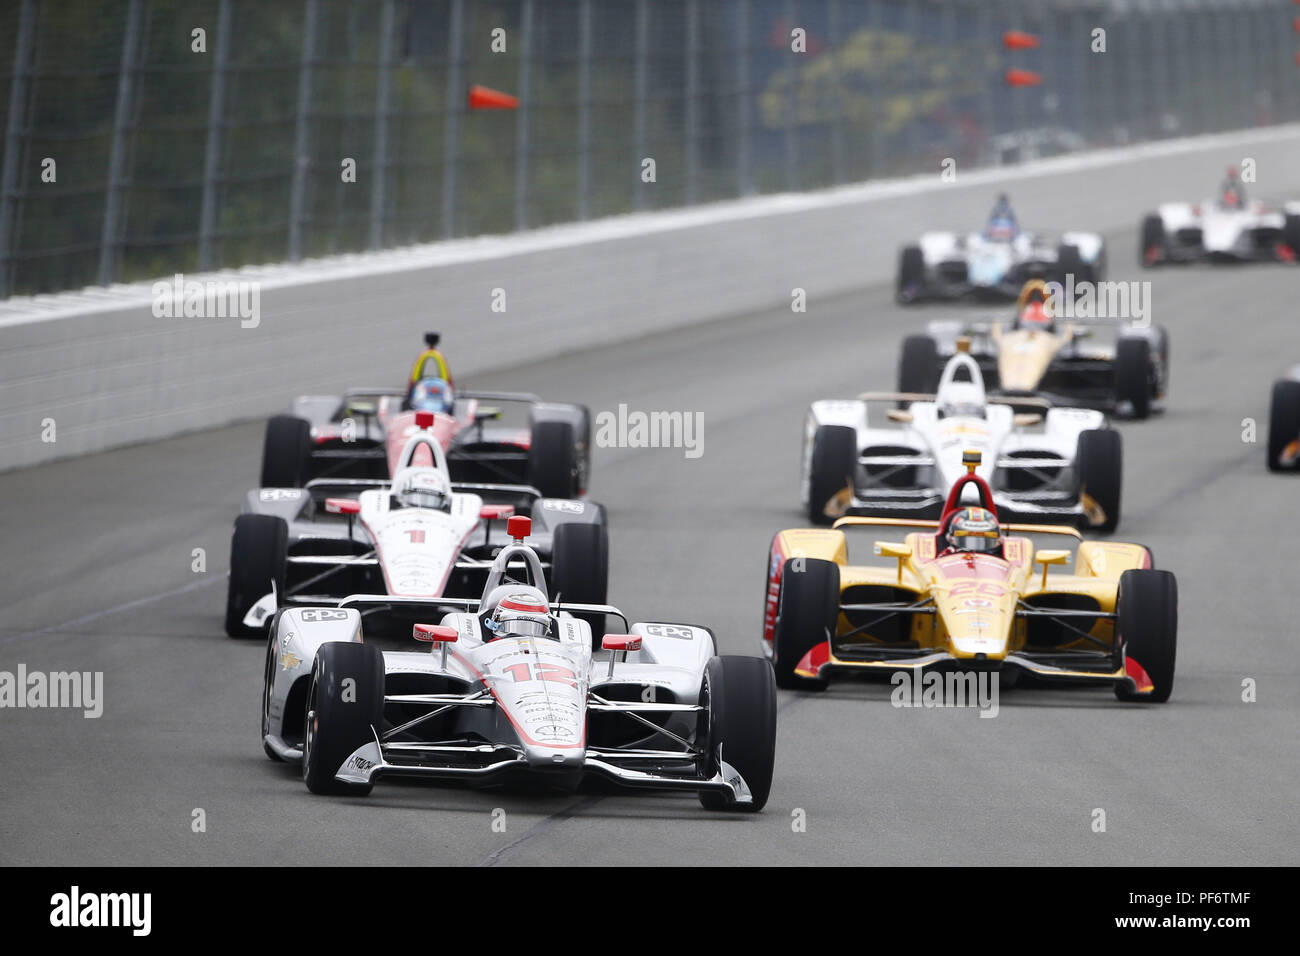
x=302, y=133
x=13, y=148
x=584, y=110
x=111, y=235
x=692, y=117
x=642, y=71
x=521, y=117
x=452, y=105
x=836, y=28
x=744, y=160
x=789, y=143
x=383, y=87
x=212, y=152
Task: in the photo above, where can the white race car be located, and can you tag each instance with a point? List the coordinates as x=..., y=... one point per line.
x=1229, y=228
x=508, y=687
x=896, y=454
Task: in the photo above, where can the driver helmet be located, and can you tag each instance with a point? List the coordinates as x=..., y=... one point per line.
x=1231, y=197
x=423, y=488
x=1031, y=309
x=974, y=529
x=961, y=399
x=432, y=395
x=521, y=612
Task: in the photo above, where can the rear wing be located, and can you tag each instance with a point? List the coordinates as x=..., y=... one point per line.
x=893, y=397
x=409, y=604
x=927, y=525
x=335, y=487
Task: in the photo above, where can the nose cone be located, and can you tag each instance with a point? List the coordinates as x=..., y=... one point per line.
x=973, y=631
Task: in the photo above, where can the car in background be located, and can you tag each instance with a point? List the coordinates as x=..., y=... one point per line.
x=1227, y=228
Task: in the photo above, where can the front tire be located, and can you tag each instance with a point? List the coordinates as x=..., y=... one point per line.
x=1152, y=246
x=1133, y=374
x=1283, y=422
x=806, y=616
x=553, y=465
x=832, y=468
x=286, y=452
x=1100, y=461
x=911, y=274
x=1069, y=261
x=341, y=717
x=259, y=552
x=1147, y=623
x=580, y=570
x=741, y=720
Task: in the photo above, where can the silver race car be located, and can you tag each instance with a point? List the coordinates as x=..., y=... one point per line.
x=506, y=687
x=896, y=454
x=419, y=535
x=996, y=262
x=1227, y=228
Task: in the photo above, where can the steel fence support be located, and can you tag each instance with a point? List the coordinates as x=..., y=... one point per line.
x=302, y=133
x=691, y=120
x=790, y=145
x=522, y=146
x=744, y=113
x=835, y=24
x=584, y=109
x=25, y=43
x=212, y=149
x=383, y=106
x=642, y=91
x=111, y=235
x=452, y=105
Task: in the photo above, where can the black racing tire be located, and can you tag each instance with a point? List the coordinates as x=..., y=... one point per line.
x=911, y=273
x=832, y=467
x=740, y=716
x=268, y=681
x=1147, y=610
x=259, y=552
x=1291, y=235
x=1283, y=421
x=1152, y=238
x=335, y=726
x=286, y=452
x=553, y=465
x=1070, y=262
x=1133, y=374
x=1100, y=462
x=918, y=366
x=807, y=614
x=1160, y=386
x=580, y=570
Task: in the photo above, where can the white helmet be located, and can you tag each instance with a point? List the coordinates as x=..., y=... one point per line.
x=520, y=611
x=423, y=488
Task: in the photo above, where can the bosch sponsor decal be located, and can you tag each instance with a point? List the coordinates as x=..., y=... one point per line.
x=279, y=494
x=566, y=507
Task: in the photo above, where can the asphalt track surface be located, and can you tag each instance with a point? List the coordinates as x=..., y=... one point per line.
x=98, y=555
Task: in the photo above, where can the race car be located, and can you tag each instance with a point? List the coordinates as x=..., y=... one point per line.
x=1227, y=228
x=360, y=433
x=869, y=456
x=506, y=688
x=964, y=594
x=419, y=535
x=1040, y=355
x=1284, y=423
x=996, y=262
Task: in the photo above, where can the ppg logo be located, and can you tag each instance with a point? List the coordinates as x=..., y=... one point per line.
x=670, y=630
x=321, y=614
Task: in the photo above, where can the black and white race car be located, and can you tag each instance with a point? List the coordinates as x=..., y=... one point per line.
x=1227, y=228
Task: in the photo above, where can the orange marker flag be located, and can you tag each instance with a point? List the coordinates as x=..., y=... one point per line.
x=1023, y=78
x=484, y=98
x=1019, y=40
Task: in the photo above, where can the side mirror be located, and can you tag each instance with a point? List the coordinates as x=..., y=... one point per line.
x=899, y=415
x=493, y=512
x=892, y=549
x=423, y=420
x=486, y=415
x=434, y=634
x=1047, y=558
x=519, y=527
x=342, y=506
x=1026, y=419
x=621, y=642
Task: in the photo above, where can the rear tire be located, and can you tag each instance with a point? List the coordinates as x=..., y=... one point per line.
x=1152, y=246
x=286, y=452
x=1291, y=235
x=832, y=467
x=1100, y=461
x=918, y=367
x=807, y=615
x=1147, y=623
x=741, y=718
x=1133, y=374
x=1070, y=262
x=553, y=466
x=580, y=570
x=259, y=552
x=1283, y=421
x=334, y=727
x=911, y=273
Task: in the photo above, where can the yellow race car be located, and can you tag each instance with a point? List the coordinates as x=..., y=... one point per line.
x=1009, y=608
